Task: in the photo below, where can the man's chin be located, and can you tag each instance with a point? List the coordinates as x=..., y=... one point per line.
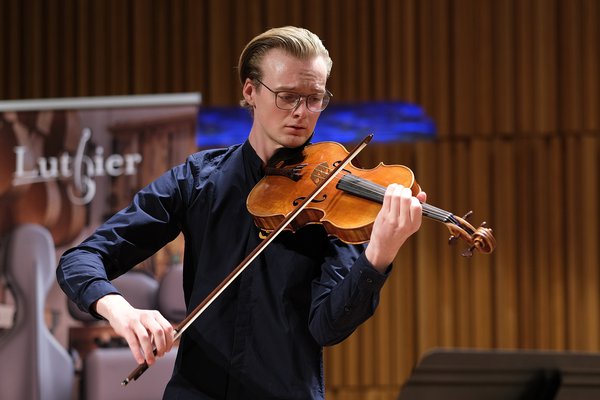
x=295, y=141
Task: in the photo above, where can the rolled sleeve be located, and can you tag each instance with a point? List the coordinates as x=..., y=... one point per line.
x=344, y=297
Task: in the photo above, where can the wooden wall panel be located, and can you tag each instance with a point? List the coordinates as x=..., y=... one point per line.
x=514, y=91
x=590, y=64
x=589, y=242
x=555, y=204
x=524, y=59
x=504, y=67
x=544, y=49
x=504, y=222
x=570, y=79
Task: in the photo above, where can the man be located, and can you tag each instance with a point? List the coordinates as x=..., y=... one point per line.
x=263, y=337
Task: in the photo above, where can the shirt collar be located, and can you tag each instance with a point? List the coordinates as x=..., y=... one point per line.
x=252, y=161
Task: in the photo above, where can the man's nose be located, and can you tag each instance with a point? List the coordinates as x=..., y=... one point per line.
x=301, y=107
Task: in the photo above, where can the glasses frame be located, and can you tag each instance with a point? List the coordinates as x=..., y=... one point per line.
x=327, y=95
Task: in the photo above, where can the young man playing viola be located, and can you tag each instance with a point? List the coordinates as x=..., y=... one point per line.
x=263, y=337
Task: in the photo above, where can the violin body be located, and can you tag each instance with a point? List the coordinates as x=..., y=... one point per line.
x=347, y=207
x=344, y=215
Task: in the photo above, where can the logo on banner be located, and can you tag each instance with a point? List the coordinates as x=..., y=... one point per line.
x=80, y=168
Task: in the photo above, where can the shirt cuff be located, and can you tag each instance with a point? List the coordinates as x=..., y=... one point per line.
x=94, y=292
x=370, y=278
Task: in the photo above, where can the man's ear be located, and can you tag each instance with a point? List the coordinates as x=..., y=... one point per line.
x=248, y=91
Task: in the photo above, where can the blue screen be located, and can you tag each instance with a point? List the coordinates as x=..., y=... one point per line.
x=349, y=123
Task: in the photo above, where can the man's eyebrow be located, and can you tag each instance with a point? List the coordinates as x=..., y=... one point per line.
x=294, y=90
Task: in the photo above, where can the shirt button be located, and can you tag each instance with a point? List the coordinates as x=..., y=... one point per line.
x=369, y=280
x=347, y=309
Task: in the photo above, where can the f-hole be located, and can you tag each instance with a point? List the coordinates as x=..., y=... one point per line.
x=300, y=199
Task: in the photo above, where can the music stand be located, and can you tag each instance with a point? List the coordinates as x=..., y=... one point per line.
x=504, y=375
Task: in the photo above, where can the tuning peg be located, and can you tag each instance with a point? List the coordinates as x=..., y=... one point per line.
x=468, y=252
x=468, y=215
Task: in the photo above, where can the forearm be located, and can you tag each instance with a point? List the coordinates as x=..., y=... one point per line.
x=83, y=278
x=110, y=306
x=345, y=302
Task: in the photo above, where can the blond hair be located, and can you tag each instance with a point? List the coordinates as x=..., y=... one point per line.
x=298, y=42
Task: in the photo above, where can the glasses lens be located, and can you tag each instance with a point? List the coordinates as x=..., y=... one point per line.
x=287, y=100
x=317, y=102
x=290, y=100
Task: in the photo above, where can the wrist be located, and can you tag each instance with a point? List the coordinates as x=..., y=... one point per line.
x=376, y=258
x=106, y=305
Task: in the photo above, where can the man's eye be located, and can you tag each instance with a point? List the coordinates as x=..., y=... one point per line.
x=288, y=97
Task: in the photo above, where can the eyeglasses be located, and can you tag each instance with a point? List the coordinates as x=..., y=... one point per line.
x=289, y=100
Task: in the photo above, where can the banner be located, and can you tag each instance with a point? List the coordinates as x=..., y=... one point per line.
x=68, y=164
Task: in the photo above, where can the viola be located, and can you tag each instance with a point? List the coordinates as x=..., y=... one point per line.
x=347, y=209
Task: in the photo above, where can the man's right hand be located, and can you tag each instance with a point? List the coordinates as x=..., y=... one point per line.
x=144, y=330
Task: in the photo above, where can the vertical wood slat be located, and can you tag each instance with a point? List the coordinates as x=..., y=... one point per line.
x=545, y=51
x=442, y=197
x=67, y=69
x=220, y=82
x=15, y=51
x=33, y=35
x=483, y=94
x=503, y=64
x=378, y=40
x=426, y=55
x=315, y=20
x=590, y=15
x=394, y=54
x=524, y=259
x=4, y=54
x=363, y=50
x=464, y=67
x=555, y=245
x=161, y=33
x=332, y=17
x=482, y=290
x=366, y=347
x=427, y=265
x=524, y=68
x=195, y=48
x=540, y=222
x=178, y=66
x=408, y=70
x=142, y=36
x=589, y=242
x=570, y=82
x=438, y=97
x=348, y=60
x=383, y=338
x=506, y=276
x=575, y=313
x=98, y=57
x=83, y=49
x=464, y=311
x=51, y=50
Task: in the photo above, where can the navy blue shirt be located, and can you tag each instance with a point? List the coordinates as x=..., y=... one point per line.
x=263, y=337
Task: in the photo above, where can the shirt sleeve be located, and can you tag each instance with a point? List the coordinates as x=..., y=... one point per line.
x=129, y=237
x=346, y=294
